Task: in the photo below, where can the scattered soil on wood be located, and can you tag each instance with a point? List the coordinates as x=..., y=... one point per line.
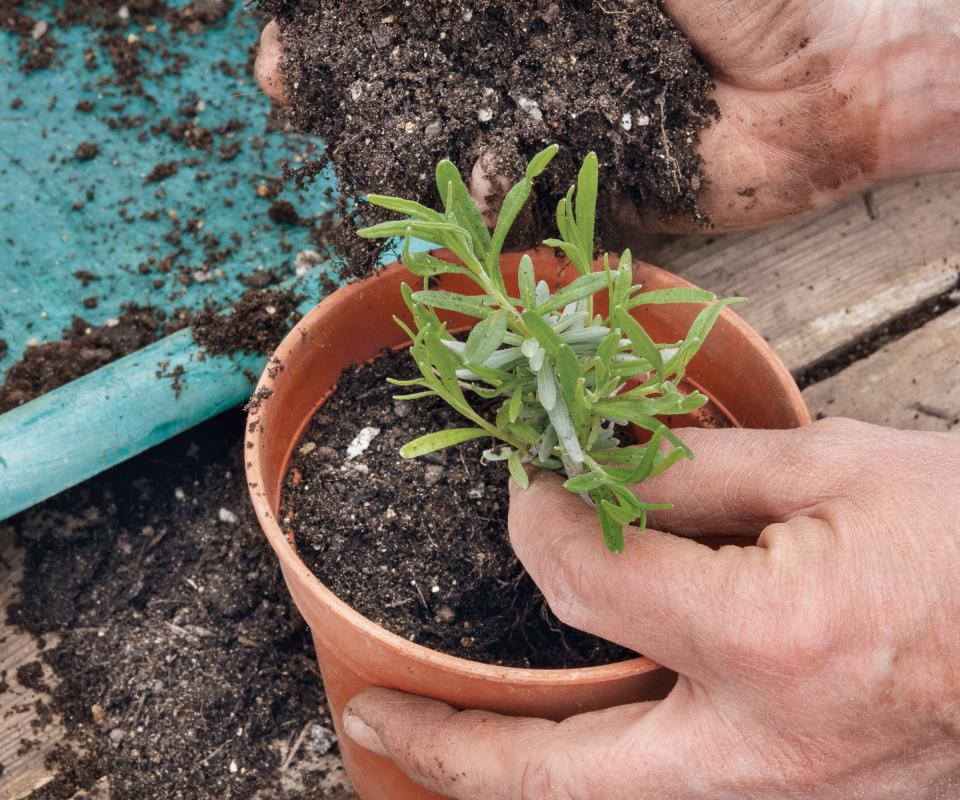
x=256, y=323
x=83, y=349
x=420, y=546
x=398, y=86
x=183, y=671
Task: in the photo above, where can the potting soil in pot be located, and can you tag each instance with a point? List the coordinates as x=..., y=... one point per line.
x=393, y=87
x=419, y=546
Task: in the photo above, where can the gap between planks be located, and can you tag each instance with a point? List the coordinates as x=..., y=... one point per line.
x=821, y=282
x=912, y=383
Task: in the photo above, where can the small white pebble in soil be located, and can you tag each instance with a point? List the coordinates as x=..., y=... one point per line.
x=626, y=121
x=467, y=15
x=476, y=492
x=112, y=322
x=434, y=589
x=485, y=114
x=432, y=474
x=401, y=408
x=39, y=29
x=179, y=494
x=361, y=441
x=271, y=310
x=532, y=107
x=123, y=13
x=390, y=513
x=322, y=739
x=305, y=260
x=643, y=120
x=446, y=614
x=233, y=768
x=308, y=448
x=226, y=515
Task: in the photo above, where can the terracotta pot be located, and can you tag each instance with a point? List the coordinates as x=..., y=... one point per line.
x=737, y=369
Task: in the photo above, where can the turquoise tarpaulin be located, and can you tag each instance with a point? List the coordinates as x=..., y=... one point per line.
x=171, y=243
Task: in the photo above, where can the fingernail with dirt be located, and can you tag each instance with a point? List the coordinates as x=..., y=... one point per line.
x=363, y=734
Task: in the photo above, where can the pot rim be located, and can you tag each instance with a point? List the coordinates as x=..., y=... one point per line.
x=291, y=562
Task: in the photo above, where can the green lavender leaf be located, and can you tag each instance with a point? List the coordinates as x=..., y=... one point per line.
x=463, y=205
x=541, y=161
x=643, y=345
x=578, y=289
x=449, y=301
x=586, y=210
x=517, y=471
x=670, y=296
x=409, y=207
x=485, y=338
x=439, y=440
x=527, y=282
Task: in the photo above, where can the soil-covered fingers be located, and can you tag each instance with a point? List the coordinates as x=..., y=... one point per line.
x=667, y=597
x=268, y=63
x=475, y=755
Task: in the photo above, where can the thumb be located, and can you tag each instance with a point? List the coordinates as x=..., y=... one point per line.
x=267, y=68
x=476, y=755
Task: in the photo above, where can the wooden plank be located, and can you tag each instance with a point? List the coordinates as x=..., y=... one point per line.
x=23, y=767
x=819, y=282
x=912, y=383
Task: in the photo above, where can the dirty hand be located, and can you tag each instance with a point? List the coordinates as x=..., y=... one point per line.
x=824, y=662
x=819, y=99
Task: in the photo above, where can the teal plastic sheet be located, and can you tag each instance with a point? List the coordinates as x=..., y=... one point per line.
x=172, y=243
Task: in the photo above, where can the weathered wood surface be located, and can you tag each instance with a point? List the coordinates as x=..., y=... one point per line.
x=912, y=383
x=22, y=746
x=816, y=285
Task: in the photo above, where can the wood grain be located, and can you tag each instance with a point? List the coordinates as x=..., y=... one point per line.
x=912, y=383
x=819, y=282
x=23, y=765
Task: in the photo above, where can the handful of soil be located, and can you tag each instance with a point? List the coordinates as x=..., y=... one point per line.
x=393, y=87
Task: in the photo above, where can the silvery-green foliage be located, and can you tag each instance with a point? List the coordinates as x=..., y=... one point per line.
x=568, y=378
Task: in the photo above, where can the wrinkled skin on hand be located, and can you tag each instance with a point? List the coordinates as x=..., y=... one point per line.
x=820, y=98
x=824, y=662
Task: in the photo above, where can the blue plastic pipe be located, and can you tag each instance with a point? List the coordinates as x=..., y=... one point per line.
x=124, y=408
x=93, y=423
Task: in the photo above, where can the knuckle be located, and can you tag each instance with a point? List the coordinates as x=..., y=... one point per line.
x=817, y=452
x=561, y=582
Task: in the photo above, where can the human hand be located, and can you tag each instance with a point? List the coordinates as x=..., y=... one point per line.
x=824, y=662
x=818, y=100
